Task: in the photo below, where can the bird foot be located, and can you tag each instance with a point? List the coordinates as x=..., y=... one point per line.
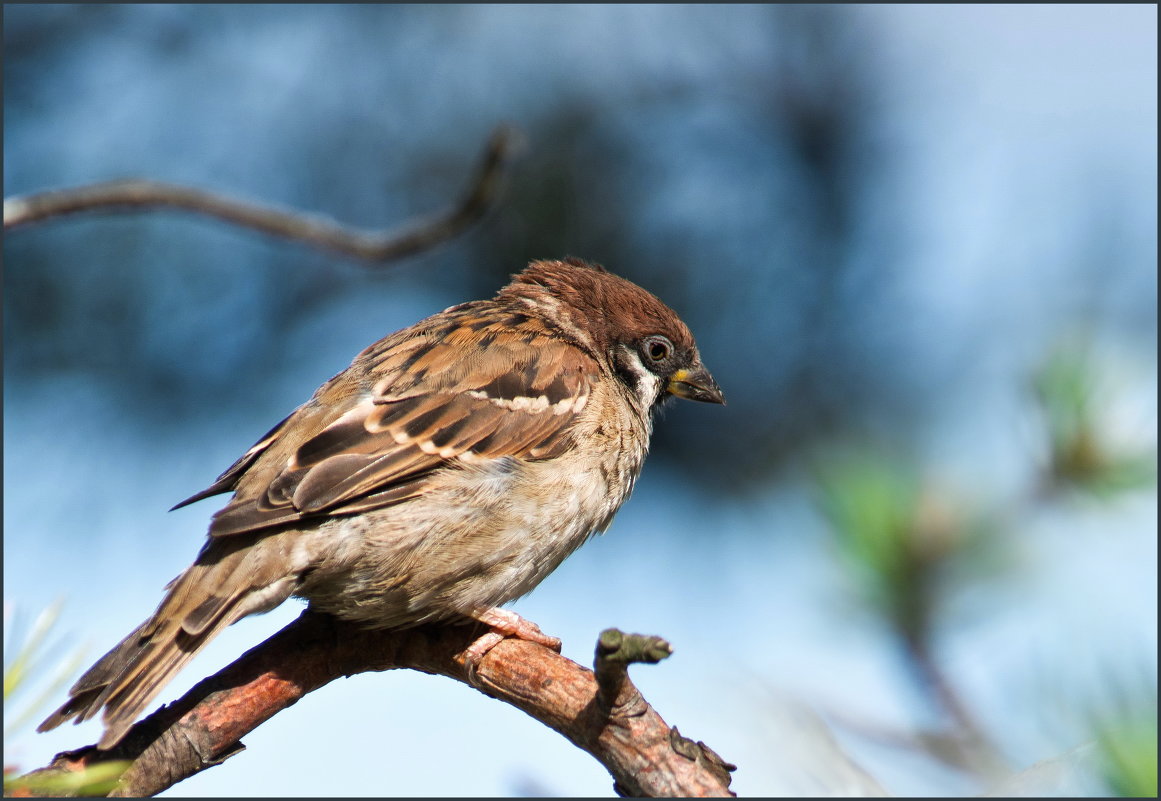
x=502, y=624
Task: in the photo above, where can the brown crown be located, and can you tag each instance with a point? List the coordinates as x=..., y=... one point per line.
x=612, y=308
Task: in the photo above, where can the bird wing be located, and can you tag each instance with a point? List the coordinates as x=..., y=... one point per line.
x=463, y=387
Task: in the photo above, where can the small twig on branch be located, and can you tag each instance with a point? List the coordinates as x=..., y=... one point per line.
x=372, y=246
x=624, y=733
x=620, y=700
x=615, y=652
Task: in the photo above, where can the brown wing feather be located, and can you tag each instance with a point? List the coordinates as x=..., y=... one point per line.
x=432, y=397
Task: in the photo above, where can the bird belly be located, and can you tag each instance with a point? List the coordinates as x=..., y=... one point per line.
x=482, y=535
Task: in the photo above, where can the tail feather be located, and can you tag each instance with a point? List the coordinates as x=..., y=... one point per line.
x=88, y=688
x=213, y=593
x=130, y=676
x=125, y=700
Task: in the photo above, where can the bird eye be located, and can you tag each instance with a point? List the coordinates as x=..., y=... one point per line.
x=657, y=348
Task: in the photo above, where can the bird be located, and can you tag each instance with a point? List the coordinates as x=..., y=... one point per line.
x=447, y=471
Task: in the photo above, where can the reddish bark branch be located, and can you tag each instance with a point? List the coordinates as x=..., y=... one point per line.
x=372, y=246
x=610, y=720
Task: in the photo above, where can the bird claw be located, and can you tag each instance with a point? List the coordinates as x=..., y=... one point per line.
x=475, y=652
x=502, y=624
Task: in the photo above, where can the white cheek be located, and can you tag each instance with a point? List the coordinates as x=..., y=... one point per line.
x=646, y=384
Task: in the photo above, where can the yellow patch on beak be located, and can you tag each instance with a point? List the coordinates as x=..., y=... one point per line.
x=696, y=384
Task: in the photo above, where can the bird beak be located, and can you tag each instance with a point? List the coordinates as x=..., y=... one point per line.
x=696, y=384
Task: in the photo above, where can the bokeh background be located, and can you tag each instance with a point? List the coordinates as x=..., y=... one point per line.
x=915, y=554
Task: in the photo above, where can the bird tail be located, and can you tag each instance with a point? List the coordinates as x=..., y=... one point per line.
x=217, y=590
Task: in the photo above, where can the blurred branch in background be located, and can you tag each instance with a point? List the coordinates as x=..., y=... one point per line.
x=372, y=246
x=910, y=545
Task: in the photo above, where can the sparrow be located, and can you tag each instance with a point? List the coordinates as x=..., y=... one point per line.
x=447, y=471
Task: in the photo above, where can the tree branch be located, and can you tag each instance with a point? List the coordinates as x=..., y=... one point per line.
x=372, y=246
x=604, y=714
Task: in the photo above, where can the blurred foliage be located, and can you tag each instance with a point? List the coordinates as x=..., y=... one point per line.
x=27, y=662
x=910, y=544
x=1126, y=736
x=1067, y=388
x=95, y=780
x=904, y=538
x=25, y=656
